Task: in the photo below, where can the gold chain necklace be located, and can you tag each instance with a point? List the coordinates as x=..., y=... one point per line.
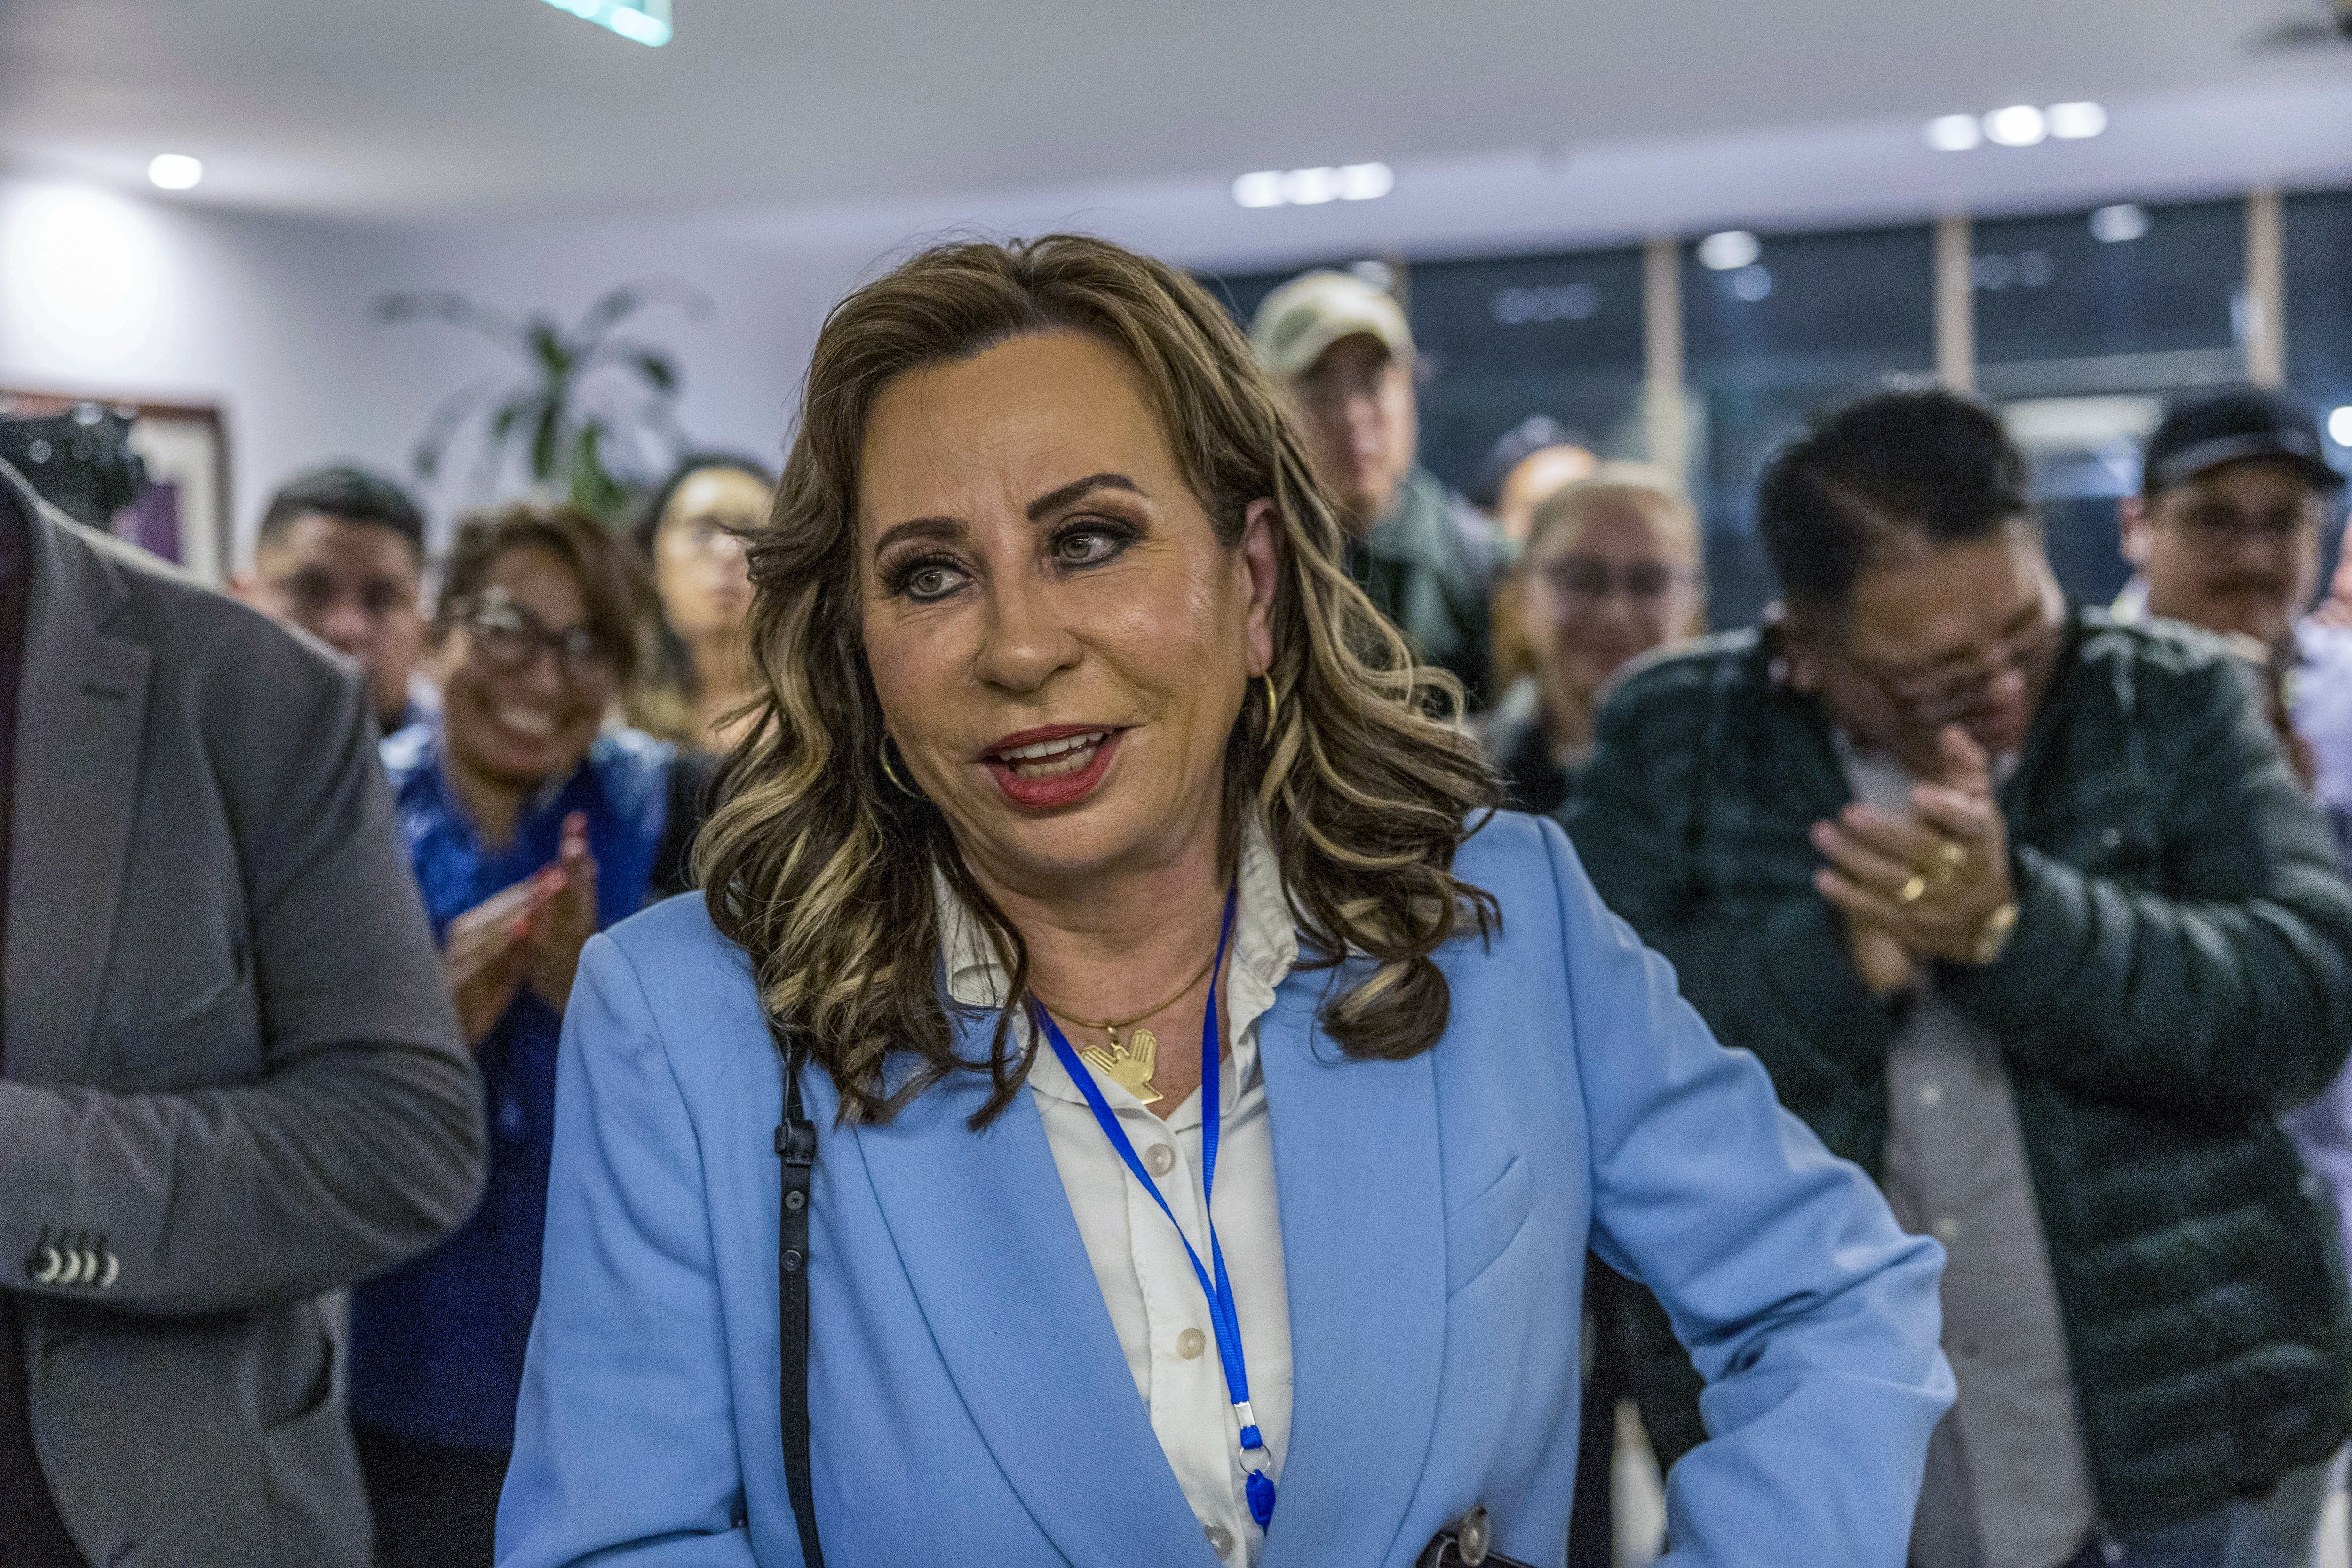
x=1129, y=1065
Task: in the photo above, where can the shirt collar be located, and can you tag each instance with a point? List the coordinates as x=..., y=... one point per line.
x=1265, y=947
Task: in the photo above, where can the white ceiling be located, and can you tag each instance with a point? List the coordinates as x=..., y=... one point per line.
x=473, y=108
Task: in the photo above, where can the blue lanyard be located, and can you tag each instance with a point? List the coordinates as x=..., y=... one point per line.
x=1219, y=1290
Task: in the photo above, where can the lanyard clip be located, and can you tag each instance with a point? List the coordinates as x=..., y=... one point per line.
x=1252, y=1442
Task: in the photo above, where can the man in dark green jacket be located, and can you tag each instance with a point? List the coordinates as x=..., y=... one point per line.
x=2025, y=913
x=1427, y=558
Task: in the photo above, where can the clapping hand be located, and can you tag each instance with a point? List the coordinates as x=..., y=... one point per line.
x=1930, y=883
x=569, y=917
x=489, y=948
x=532, y=931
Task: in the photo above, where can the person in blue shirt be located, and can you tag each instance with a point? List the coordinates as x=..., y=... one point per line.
x=531, y=826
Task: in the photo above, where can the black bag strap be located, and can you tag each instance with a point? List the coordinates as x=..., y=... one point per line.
x=796, y=1147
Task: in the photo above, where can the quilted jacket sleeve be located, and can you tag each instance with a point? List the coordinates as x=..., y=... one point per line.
x=2231, y=987
x=1767, y=969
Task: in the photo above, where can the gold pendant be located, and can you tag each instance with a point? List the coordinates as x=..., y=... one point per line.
x=1127, y=1066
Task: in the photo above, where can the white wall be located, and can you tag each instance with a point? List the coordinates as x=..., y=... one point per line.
x=268, y=318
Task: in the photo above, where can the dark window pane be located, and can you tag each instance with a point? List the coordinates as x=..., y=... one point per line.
x=2319, y=317
x=2052, y=300
x=1503, y=340
x=1807, y=323
x=2088, y=324
x=2319, y=295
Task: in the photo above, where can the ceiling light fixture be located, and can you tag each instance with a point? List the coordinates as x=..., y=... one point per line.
x=1954, y=133
x=2339, y=425
x=2120, y=223
x=1729, y=250
x=175, y=172
x=2075, y=121
x=643, y=22
x=1313, y=187
x=2019, y=125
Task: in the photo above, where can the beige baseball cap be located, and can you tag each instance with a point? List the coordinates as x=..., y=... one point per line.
x=1315, y=310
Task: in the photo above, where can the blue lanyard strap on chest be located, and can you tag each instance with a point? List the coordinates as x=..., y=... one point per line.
x=1214, y=1285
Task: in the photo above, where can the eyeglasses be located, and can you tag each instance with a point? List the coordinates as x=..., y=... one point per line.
x=1932, y=699
x=507, y=638
x=1587, y=580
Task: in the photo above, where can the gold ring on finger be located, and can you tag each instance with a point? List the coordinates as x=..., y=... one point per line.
x=1913, y=890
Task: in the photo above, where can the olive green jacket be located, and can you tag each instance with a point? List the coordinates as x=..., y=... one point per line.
x=1429, y=566
x=2182, y=971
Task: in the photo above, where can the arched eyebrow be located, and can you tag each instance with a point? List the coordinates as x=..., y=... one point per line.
x=1077, y=490
x=940, y=529
x=943, y=528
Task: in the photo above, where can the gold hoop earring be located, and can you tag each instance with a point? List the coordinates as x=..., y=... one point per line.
x=892, y=774
x=1273, y=708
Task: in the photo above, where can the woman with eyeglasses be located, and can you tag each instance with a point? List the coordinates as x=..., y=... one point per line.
x=691, y=531
x=531, y=826
x=1610, y=571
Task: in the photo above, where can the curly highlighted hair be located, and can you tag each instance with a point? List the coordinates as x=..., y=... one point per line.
x=822, y=871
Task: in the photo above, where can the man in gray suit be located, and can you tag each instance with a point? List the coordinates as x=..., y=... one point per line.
x=230, y=1081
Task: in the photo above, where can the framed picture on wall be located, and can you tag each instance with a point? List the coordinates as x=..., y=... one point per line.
x=153, y=473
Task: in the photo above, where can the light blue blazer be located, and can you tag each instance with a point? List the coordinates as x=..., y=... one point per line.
x=970, y=1399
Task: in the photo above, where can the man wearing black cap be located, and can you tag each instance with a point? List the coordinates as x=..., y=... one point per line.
x=2226, y=529
x=2226, y=535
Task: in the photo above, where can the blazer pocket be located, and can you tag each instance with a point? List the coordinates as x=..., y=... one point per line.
x=1478, y=1233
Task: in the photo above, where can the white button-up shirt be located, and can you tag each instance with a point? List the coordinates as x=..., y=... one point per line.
x=1155, y=1300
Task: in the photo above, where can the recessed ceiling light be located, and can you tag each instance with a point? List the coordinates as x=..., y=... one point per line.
x=2121, y=223
x=2339, y=425
x=2019, y=125
x=643, y=22
x=1263, y=189
x=1954, y=133
x=1729, y=250
x=175, y=172
x=1313, y=187
x=2075, y=121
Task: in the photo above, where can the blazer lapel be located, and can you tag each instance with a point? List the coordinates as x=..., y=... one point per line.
x=1363, y=1248
x=985, y=1231
x=80, y=717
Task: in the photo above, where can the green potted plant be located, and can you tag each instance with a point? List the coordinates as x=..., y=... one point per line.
x=579, y=413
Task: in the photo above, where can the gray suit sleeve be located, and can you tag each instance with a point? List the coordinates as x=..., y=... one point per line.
x=361, y=1141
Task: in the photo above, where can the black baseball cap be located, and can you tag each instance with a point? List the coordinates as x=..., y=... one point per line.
x=2229, y=427
x=1534, y=434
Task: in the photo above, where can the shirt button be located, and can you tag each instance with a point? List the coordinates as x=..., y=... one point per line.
x=1221, y=1540
x=1160, y=1158
x=1190, y=1343
x=1948, y=1230
x=1931, y=1095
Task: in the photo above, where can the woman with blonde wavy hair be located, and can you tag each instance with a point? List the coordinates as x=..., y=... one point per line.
x=1127, y=1093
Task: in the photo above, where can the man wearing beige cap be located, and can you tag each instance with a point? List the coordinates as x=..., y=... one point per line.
x=1423, y=553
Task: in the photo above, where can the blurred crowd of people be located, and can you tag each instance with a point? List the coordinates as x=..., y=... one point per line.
x=2035, y=912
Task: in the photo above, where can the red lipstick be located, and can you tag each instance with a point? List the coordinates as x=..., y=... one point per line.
x=1051, y=792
